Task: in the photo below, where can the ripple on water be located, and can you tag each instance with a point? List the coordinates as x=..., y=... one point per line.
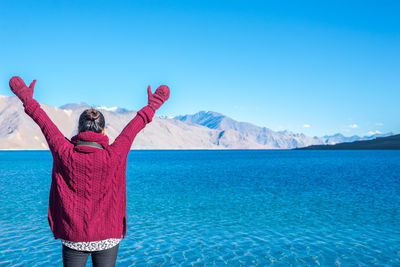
x=213, y=208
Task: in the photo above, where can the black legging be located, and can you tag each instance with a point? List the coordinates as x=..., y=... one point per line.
x=101, y=258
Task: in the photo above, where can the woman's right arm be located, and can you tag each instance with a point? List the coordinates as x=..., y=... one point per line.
x=122, y=144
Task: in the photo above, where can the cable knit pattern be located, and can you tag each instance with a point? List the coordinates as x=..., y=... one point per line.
x=87, y=199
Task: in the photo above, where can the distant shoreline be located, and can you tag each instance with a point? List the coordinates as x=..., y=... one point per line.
x=379, y=143
x=170, y=149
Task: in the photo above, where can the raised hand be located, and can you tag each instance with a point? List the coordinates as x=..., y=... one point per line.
x=159, y=97
x=19, y=88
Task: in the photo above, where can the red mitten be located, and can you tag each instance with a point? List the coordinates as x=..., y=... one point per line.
x=20, y=89
x=159, y=97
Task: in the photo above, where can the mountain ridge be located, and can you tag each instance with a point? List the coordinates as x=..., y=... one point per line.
x=202, y=130
x=387, y=143
x=205, y=115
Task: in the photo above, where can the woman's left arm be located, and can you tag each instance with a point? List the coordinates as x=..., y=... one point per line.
x=55, y=139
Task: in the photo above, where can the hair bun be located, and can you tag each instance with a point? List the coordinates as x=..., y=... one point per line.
x=93, y=114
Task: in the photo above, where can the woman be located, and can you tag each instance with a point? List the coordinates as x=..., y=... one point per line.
x=87, y=202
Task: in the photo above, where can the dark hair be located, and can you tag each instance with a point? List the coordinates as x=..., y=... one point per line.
x=91, y=120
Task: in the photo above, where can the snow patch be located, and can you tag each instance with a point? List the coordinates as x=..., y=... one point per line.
x=109, y=109
x=68, y=111
x=373, y=132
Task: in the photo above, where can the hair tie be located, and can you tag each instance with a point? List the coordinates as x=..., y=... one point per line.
x=93, y=114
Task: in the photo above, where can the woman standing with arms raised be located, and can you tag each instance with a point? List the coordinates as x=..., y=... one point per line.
x=87, y=202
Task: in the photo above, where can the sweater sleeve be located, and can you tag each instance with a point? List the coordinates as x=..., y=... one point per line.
x=122, y=144
x=55, y=139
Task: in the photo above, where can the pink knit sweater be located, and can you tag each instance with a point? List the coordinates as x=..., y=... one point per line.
x=88, y=185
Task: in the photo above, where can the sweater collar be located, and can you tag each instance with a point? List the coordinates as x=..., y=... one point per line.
x=90, y=136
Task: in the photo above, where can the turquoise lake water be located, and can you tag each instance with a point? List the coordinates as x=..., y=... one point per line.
x=226, y=207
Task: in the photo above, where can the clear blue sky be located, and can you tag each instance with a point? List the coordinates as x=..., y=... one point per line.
x=317, y=67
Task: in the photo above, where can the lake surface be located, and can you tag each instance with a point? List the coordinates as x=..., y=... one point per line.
x=225, y=207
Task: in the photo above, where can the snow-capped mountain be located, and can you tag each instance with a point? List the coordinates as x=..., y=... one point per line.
x=265, y=136
x=340, y=138
x=72, y=106
x=259, y=136
x=84, y=105
x=203, y=130
x=19, y=131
